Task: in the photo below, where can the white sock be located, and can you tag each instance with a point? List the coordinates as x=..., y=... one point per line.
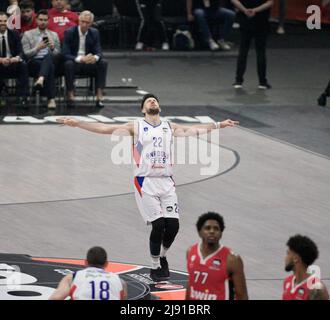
x=163, y=251
x=155, y=262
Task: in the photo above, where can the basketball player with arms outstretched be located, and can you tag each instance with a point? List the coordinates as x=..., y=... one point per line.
x=154, y=186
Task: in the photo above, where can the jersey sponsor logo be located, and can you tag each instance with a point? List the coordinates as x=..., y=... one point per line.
x=216, y=264
x=35, y=278
x=145, y=129
x=165, y=130
x=193, y=258
x=202, y=295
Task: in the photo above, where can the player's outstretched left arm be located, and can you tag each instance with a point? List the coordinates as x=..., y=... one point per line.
x=63, y=289
x=236, y=270
x=198, y=129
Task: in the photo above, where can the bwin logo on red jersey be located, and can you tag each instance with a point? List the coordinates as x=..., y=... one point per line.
x=199, y=295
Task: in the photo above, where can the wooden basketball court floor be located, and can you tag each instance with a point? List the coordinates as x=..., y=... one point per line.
x=61, y=193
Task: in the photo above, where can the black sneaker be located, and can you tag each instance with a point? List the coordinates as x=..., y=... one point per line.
x=322, y=100
x=164, y=268
x=264, y=86
x=156, y=275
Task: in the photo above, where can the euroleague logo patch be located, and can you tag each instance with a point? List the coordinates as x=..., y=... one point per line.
x=30, y=278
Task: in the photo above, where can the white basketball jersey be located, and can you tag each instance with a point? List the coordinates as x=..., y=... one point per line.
x=96, y=284
x=152, y=150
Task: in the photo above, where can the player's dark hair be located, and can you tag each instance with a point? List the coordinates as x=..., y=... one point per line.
x=26, y=4
x=96, y=257
x=3, y=14
x=147, y=96
x=43, y=12
x=304, y=247
x=210, y=216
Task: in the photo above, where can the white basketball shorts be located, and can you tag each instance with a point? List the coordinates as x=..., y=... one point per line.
x=156, y=198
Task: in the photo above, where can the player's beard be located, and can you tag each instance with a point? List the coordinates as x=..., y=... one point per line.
x=153, y=112
x=289, y=267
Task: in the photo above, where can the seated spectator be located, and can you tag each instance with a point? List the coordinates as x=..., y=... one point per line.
x=40, y=46
x=205, y=11
x=83, y=55
x=28, y=16
x=11, y=59
x=60, y=19
x=152, y=28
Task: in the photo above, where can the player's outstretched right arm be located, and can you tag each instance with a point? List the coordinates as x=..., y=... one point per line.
x=126, y=129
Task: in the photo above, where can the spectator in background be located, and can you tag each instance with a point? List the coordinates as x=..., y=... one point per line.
x=281, y=17
x=83, y=55
x=12, y=64
x=152, y=28
x=40, y=46
x=28, y=16
x=205, y=11
x=60, y=19
x=253, y=17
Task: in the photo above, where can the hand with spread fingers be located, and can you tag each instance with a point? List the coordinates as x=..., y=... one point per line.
x=228, y=123
x=68, y=122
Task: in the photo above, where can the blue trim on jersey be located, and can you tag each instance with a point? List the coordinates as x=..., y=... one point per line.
x=140, y=180
x=153, y=125
x=139, y=147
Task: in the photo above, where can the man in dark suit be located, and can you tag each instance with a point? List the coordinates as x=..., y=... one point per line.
x=83, y=55
x=11, y=61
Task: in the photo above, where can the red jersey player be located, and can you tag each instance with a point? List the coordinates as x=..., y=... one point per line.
x=61, y=19
x=302, y=285
x=215, y=272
